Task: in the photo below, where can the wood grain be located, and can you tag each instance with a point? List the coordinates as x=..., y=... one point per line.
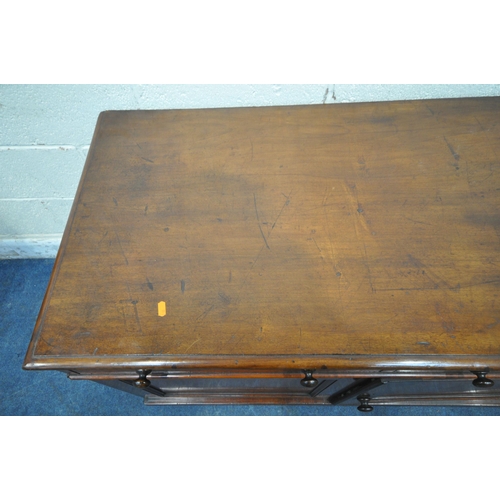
x=345, y=236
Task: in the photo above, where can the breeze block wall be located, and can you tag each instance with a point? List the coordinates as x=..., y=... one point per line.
x=45, y=133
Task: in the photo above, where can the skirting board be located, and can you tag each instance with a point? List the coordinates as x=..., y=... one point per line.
x=30, y=247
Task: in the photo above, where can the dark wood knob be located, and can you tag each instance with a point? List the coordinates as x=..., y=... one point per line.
x=309, y=380
x=142, y=382
x=364, y=400
x=481, y=380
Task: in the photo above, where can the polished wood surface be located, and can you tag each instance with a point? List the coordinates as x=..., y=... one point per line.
x=350, y=236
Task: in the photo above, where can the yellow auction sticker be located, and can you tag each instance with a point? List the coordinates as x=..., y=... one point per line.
x=162, y=308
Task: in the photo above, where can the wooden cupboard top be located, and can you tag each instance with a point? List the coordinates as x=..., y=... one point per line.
x=337, y=235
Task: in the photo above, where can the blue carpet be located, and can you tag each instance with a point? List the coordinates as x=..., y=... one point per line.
x=22, y=287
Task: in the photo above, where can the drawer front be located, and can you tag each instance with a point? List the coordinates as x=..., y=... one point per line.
x=248, y=390
x=368, y=393
x=435, y=393
x=207, y=388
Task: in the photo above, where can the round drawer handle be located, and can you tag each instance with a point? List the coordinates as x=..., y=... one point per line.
x=364, y=399
x=481, y=380
x=309, y=380
x=142, y=381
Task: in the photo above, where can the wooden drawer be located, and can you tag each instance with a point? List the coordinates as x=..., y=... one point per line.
x=209, y=388
x=240, y=391
x=367, y=393
x=435, y=393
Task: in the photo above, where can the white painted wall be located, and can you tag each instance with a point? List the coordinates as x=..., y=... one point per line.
x=45, y=132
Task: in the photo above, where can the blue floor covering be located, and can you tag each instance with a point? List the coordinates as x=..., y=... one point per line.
x=22, y=287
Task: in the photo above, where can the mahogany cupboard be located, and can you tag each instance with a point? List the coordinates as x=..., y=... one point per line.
x=324, y=254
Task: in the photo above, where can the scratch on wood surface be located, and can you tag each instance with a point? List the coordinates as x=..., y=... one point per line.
x=253, y=263
x=353, y=198
x=436, y=280
x=328, y=192
x=351, y=192
x=123, y=316
x=319, y=249
x=449, y=326
x=407, y=289
x=450, y=147
x=197, y=340
x=481, y=283
x=417, y=221
x=333, y=257
x=102, y=239
x=332, y=253
x=480, y=124
x=258, y=220
x=204, y=313
x=121, y=248
x=224, y=298
x=81, y=335
x=368, y=269
x=134, y=303
x=326, y=226
x=46, y=341
x=469, y=182
x=265, y=241
x=487, y=139
x=287, y=202
x=392, y=318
